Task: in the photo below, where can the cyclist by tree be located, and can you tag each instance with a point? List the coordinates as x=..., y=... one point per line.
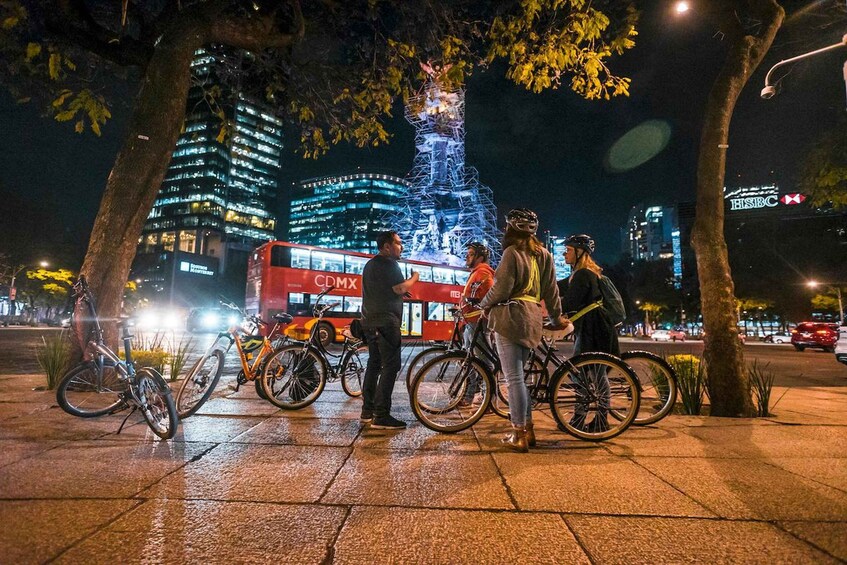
x=524, y=278
x=383, y=288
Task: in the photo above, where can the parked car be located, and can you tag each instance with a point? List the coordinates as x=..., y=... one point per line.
x=778, y=338
x=668, y=335
x=815, y=334
x=841, y=345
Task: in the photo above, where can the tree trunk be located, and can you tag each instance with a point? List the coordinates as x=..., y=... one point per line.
x=729, y=387
x=138, y=172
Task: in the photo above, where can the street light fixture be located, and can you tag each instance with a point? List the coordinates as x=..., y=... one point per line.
x=769, y=91
x=13, y=290
x=815, y=284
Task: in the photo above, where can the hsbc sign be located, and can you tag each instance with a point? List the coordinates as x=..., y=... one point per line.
x=759, y=197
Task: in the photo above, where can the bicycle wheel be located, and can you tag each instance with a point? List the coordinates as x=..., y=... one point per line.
x=199, y=383
x=88, y=391
x=420, y=360
x=353, y=372
x=157, y=402
x=534, y=373
x=438, y=393
x=587, y=389
x=658, y=385
x=293, y=377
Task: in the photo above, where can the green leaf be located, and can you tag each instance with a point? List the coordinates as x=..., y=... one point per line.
x=32, y=51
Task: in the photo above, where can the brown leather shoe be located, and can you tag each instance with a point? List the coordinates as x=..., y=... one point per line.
x=516, y=440
x=530, y=434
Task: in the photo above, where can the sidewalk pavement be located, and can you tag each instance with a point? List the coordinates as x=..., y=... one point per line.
x=244, y=482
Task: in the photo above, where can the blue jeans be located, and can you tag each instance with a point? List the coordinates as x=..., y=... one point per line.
x=512, y=359
x=383, y=365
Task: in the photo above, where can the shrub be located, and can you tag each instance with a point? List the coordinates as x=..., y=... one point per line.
x=155, y=358
x=178, y=357
x=54, y=355
x=762, y=381
x=691, y=377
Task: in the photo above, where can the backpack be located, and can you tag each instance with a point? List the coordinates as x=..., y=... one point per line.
x=612, y=302
x=356, y=329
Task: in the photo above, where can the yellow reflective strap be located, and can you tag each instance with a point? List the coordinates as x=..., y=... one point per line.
x=528, y=298
x=586, y=310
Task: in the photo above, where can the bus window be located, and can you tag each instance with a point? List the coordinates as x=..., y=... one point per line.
x=462, y=277
x=279, y=256
x=331, y=262
x=404, y=268
x=299, y=258
x=426, y=272
x=442, y=275
x=354, y=265
x=352, y=304
x=435, y=311
x=297, y=304
x=333, y=299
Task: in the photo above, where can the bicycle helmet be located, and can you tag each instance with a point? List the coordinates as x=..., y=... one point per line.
x=581, y=241
x=522, y=220
x=480, y=249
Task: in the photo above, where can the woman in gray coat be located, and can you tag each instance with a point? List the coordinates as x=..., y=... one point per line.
x=524, y=278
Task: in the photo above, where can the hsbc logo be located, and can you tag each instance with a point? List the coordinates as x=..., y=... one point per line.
x=792, y=199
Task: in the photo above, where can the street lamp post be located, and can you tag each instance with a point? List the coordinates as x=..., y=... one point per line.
x=770, y=90
x=837, y=287
x=13, y=291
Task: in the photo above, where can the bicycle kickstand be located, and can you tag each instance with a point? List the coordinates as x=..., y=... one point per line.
x=131, y=412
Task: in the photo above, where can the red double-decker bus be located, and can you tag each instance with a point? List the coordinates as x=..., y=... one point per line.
x=287, y=277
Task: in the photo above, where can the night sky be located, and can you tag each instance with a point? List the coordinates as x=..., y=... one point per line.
x=544, y=151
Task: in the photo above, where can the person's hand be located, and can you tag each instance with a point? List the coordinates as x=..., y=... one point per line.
x=560, y=323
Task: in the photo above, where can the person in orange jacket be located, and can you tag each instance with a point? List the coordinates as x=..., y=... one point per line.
x=479, y=282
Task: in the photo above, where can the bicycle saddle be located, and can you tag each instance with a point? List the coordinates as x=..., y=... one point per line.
x=283, y=318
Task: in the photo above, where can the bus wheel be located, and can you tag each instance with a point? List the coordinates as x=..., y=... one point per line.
x=326, y=333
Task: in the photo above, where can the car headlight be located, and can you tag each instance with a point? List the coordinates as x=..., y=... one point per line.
x=146, y=320
x=211, y=320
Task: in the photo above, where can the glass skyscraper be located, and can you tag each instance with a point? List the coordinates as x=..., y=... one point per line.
x=346, y=211
x=220, y=191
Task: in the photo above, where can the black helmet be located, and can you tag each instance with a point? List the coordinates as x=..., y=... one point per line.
x=581, y=241
x=480, y=249
x=522, y=220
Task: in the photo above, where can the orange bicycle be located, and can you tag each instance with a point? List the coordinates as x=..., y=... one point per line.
x=253, y=351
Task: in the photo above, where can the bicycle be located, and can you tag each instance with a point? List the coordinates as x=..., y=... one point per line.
x=253, y=352
x=658, y=385
x=595, y=384
x=456, y=343
x=296, y=375
x=104, y=384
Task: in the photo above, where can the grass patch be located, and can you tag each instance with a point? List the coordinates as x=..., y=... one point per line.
x=691, y=378
x=54, y=355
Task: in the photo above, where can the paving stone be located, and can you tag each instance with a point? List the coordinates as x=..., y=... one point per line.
x=829, y=536
x=349, y=410
x=590, y=483
x=416, y=436
x=237, y=407
x=14, y=450
x=285, y=431
x=735, y=488
x=405, y=535
x=272, y=473
x=662, y=442
x=829, y=471
x=419, y=478
x=209, y=429
x=36, y=530
x=94, y=469
x=167, y=531
x=13, y=409
x=631, y=539
x=778, y=441
x=58, y=425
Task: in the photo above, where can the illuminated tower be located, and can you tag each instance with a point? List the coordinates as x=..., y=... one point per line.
x=446, y=206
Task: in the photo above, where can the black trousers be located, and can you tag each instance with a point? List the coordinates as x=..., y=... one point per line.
x=383, y=366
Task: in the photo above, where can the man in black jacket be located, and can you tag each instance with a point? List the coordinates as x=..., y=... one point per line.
x=383, y=288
